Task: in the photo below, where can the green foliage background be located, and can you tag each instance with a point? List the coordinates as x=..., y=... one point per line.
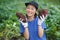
x=9, y=25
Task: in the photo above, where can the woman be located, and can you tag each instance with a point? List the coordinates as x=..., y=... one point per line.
x=34, y=28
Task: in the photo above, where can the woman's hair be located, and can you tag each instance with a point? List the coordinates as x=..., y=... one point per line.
x=34, y=15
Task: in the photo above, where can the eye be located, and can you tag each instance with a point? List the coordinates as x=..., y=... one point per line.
x=28, y=8
x=32, y=8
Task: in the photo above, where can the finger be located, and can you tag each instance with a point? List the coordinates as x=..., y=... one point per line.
x=41, y=17
x=21, y=19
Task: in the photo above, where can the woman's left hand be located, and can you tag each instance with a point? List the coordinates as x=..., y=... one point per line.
x=41, y=19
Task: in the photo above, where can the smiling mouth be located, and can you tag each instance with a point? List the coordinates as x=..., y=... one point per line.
x=29, y=13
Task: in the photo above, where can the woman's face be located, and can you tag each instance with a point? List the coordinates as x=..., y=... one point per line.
x=31, y=10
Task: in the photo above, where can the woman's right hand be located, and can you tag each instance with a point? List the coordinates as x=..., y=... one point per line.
x=25, y=24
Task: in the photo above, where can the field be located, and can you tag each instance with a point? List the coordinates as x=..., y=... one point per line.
x=9, y=24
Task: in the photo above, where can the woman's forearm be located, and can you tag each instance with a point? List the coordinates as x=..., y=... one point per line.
x=40, y=31
x=26, y=33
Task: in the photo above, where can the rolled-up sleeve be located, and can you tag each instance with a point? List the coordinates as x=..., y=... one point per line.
x=21, y=29
x=43, y=25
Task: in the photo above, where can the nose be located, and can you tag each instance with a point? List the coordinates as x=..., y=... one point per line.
x=29, y=11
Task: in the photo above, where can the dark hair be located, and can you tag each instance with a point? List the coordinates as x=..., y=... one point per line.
x=34, y=15
x=35, y=4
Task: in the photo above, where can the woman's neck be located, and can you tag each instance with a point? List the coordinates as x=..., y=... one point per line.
x=30, y=18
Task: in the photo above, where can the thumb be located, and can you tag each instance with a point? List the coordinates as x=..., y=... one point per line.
x=20, y=21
